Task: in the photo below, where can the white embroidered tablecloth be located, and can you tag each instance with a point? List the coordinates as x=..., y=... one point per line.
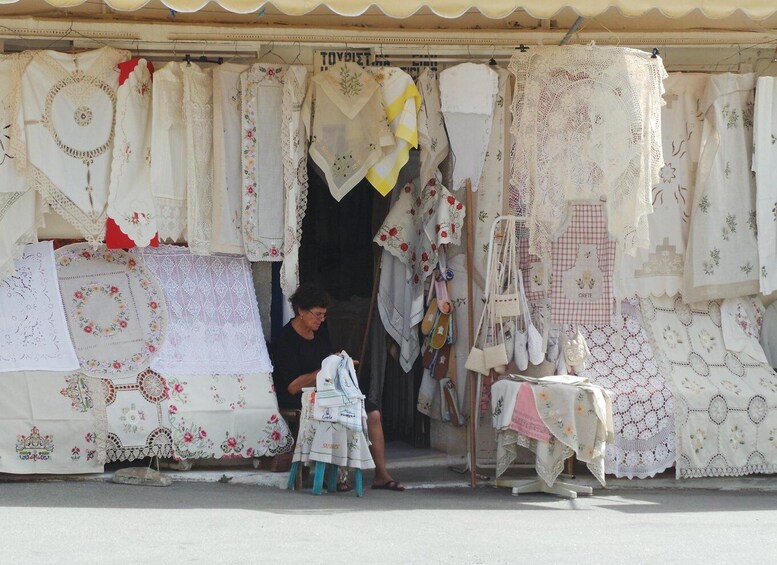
x=263, y=190
x=587, y=122
x=725, y=402
x=115, y=309
x=34, y=335
x=227, y=236
x=11, y=68
x=346, y=121
x=214, y=325
x=329, y=442
x=582, y=267
x=432, y=137
x=51, y=422
x=131, y=213
x=294, y=145
x=225, y=416
x=722, y=258
x=765, y=169
x=137, y=421
x=20, y=216
x=169, y=160
x=66, y=133
x=658, y=269
x=622, y=362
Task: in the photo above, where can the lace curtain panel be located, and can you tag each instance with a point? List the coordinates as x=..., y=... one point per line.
x=115, y=310
x=659, y=269
x=587, y=122
x=226, y=416
x=137, y=422
x=34, y=335
x=622, y=362
x=725, y=402
x=66, y=133
x=214, y=319
x=722, y=259
x=264, y=191
x=765, y=169
x=52, y=423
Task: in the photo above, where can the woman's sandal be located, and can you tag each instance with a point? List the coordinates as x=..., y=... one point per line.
x=391, y=485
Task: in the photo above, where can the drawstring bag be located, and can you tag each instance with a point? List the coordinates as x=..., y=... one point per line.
x=505, y=297
x=576, y=351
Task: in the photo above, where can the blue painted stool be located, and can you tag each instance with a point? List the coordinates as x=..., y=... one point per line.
x=320, y=474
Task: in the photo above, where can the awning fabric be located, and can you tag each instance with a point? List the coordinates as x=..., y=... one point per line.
x=754, y=9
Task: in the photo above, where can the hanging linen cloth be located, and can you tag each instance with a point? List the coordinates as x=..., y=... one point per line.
x=468, y=93
x=115, y=310
x=421, y=220
x=66, y=132
x=741, y=321
x=725, y=402
x=198, y=113
x=658, y=269
x=33, y=332
x=227, y=236
x=214, y=326
x=225, y=416
x=345, y=118
x=131, y=214
x=169, y=153
x=20, y=210
x=722, y=258
x=294, y=145
x=587, y=123
x=402, y=101
x=432, y=137
x=52, y=422
x=583, y=256
x=138, y=425
x=263, y=188
x=765, y=169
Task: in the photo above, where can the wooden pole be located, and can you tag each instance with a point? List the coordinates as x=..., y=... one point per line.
x=373, y=297
x=471, y=377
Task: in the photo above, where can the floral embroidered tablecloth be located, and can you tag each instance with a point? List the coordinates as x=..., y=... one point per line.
x=725, y=402
x=226, y=416
x=115, y=309
x=137, y=422
x=51, y=422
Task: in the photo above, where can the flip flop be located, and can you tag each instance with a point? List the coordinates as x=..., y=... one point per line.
x=344, y=487
x=439, y=337
x=441, y=361
x=391, y=485
x=430, y=318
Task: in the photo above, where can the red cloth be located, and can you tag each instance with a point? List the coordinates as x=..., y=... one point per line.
x=526, y=420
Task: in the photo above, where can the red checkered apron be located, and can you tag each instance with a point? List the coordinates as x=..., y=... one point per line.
x=583, y=256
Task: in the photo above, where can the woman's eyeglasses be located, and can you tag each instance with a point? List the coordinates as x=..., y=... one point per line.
x=320, y=316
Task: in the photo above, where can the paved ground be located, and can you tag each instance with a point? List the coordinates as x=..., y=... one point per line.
x=96, y=522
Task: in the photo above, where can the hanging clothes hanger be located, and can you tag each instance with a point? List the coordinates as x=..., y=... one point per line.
x=299, y=52
x=270, y=52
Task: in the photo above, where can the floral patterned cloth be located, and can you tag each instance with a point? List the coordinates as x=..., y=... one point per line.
x=33, y=331
x=402, y=102
x=227, y=236
x=214, y=319
x=51, y=422
x=345, y=118
x=263, y=188
x=722, y=258
x=658, y=269
x=66, y=130
x=741, y=321
x=432, y=137
x=725, y=402
x=131, y=213
x=622, y=362
x=422, y=219
x=226, y=416
x=137, y=423
x=765, y=169
x=114, y=307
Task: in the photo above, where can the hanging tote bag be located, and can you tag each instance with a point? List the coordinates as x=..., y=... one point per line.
x=505, y=298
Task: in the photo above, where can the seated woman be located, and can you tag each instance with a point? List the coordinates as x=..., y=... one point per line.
x=297, y=354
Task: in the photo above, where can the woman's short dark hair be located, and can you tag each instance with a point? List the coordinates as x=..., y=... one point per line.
x=309, y=296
